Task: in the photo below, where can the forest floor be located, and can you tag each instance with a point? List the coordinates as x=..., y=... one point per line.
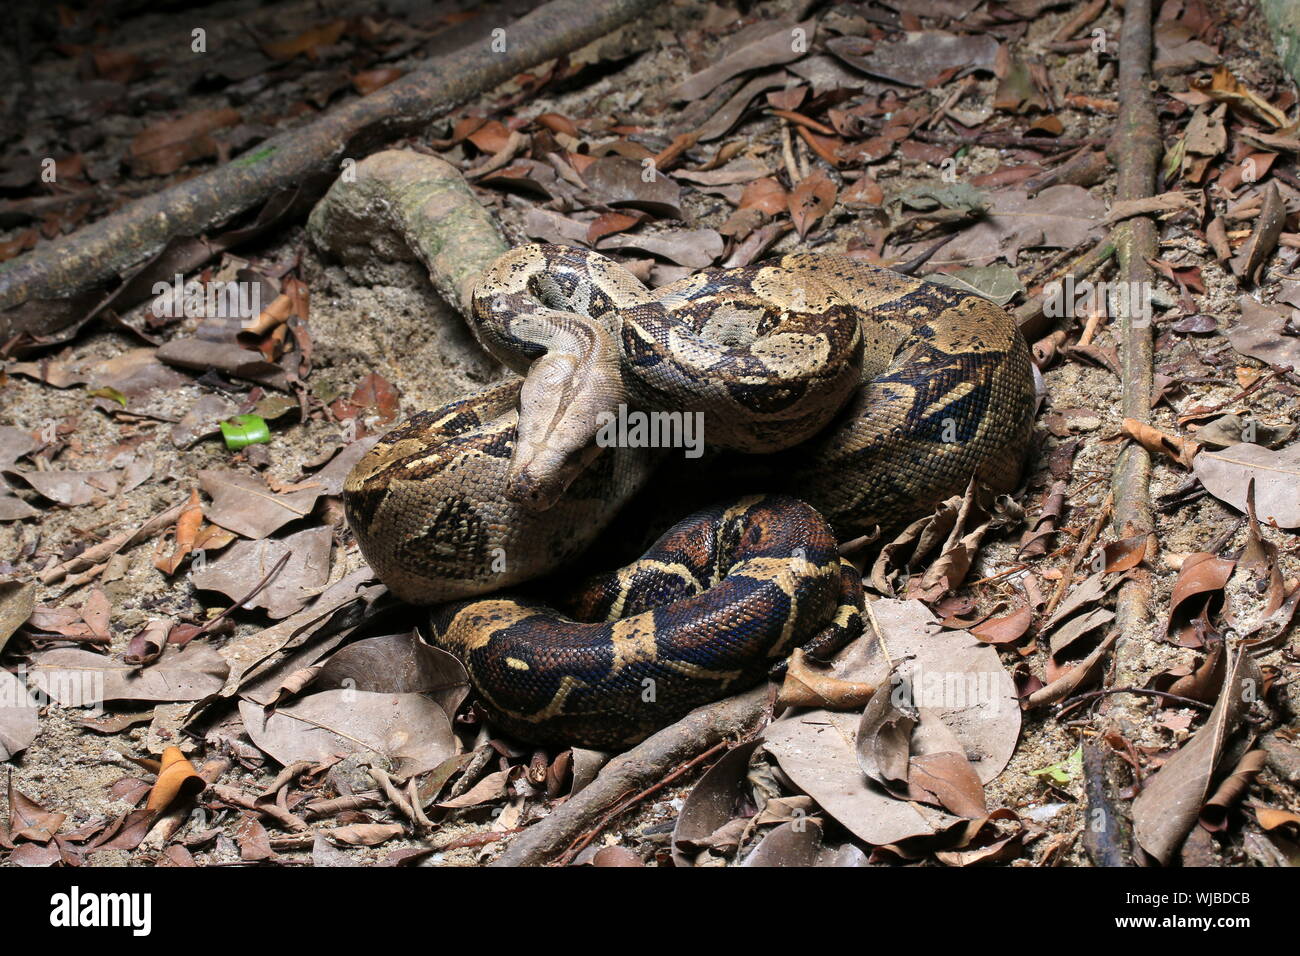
x=980, y=144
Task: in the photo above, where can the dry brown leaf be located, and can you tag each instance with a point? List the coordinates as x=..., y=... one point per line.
x=1006, y=629
x=245, y=505
x=810, y=200
x=712, y=804
x=1227, y=473
x=809, y=686
x=1201, y=574
x=177, y=778
x=1248, y=263
x=1226, y=88
x=327, y=34
x=410, y=730
x=19, y=716
x=187, y=526
x=167, y=145
x=1173, y=447
x=1172, y=799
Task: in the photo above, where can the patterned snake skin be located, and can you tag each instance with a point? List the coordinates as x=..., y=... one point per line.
x=868, y=395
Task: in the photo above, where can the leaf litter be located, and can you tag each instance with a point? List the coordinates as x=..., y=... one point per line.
x=844, y=147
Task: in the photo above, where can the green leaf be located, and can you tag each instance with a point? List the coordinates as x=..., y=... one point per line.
x=244, y=430
x=110, y=393
x=1066, y=770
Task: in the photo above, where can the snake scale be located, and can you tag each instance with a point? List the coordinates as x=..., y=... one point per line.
x=861, y=396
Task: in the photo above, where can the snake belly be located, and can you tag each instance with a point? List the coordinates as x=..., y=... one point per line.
x=871, y=396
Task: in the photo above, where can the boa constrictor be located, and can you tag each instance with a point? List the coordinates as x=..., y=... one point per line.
x=868, y=395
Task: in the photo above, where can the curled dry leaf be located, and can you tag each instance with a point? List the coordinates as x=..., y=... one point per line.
x=187, y=527
x=712, y=804
x=1172, y=799
x=809, y=686
x=1070, y=680
x=1201, y=574
x=147, y=645
x=177, y=778
x=1173, y=447
x=1214, y=815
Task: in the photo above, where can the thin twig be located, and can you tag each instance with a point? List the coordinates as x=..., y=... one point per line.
x=1073, y=702
x=585, y=839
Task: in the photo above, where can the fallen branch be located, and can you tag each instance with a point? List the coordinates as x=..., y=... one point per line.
x=1030, y=316
x=643, y=766
x=580, y=844
x=104, y=249
x=1105, y=838
x=1136, y=153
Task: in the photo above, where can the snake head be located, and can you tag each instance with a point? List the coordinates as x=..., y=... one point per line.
x=559, y=415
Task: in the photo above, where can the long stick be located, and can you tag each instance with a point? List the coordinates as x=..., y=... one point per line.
x=1136, y=152
x=632, y=772
x=102, y=250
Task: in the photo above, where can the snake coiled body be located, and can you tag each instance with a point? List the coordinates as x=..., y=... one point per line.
x=868, y=395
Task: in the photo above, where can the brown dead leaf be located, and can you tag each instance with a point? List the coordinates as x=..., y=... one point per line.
x=28, y=820
x=1227, y=473
x=409, y=730
x=246, y=563
x=712, y=804
x=1261, y=334
x=1006, y=629
x=177, y=779
x=166, y=146
x=1174, y=447
x=367, y=81
x=77, y=678
x=327, y=34
x=763, y=44
x=1060, y=217
x=187, y=526
x=918, y=58
x=810, y=200
x=20, y=720
x=1201, y=574
x=1172, y=799
x=245, y=505
x=1248, y=263
x=1226, y=88
x=809, y=686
